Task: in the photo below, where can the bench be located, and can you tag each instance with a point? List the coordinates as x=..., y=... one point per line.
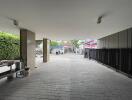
x=19, y=70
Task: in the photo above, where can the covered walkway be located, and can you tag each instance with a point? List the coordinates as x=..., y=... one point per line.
x=68, y=77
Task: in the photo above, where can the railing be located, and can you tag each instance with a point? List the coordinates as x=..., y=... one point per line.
x=119, y=59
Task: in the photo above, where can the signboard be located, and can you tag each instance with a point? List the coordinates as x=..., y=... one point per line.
x=90, y=43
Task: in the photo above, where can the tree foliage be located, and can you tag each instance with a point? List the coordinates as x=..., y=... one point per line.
x=54, y=43
x=9, y=46
x=75, y=43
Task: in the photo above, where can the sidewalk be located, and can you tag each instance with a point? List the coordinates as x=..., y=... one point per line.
x=68, y=77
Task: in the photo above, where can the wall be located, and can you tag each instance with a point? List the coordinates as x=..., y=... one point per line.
x=114, y=50
x=122, y=39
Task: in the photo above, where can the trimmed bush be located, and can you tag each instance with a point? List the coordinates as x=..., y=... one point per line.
x=9, y=46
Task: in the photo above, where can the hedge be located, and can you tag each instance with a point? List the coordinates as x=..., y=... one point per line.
x=9, y=46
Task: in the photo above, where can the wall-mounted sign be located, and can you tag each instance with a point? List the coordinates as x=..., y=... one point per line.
x=90, y=43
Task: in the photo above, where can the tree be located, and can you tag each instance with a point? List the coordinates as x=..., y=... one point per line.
x=75, y=43
x=54, y=43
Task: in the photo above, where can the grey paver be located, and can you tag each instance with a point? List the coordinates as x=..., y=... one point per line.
x=68, y=77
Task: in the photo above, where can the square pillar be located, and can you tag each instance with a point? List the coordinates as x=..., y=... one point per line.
x=27, y=48
x=45, y=50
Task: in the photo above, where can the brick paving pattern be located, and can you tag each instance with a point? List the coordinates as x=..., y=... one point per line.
x=68, y=77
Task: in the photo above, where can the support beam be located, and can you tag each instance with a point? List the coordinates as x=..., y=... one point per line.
x=45, y=50
x=27, y=47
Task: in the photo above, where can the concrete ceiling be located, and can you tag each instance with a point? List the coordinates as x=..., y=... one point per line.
x=68, y=19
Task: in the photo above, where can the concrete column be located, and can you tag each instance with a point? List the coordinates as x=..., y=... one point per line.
x=27, y=47
x=46, y=43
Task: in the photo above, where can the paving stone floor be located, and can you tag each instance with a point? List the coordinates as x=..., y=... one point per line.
x=68, y=77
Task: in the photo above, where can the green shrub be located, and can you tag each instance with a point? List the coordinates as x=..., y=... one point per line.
x=9, y=46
